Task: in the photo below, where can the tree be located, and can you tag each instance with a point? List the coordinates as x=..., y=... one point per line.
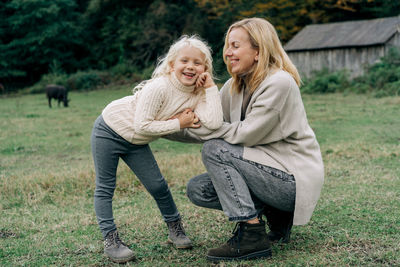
x=290, y=16
x=36, y=34
x=138, y=32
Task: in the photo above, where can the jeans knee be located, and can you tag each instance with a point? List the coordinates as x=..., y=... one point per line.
x=211, y=148
x=191, y=189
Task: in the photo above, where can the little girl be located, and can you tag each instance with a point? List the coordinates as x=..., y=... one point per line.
x=180, y=93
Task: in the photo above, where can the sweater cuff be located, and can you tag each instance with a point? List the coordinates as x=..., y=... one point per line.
x=177, y=127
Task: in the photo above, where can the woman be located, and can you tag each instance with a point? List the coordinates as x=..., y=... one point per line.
x=265, y=158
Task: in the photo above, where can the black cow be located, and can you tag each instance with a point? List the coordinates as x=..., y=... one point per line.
x=57, y=92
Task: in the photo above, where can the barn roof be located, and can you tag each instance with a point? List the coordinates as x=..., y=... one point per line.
x=344, y=34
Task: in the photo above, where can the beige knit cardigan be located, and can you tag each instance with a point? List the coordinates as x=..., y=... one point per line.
x=276, y=133
x=144, y=116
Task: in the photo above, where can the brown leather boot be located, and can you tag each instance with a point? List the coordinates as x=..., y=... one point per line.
x=280, y=223
x=249, y=241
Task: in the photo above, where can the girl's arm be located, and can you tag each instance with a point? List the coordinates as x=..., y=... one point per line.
x=209, y=109
x=147, y=107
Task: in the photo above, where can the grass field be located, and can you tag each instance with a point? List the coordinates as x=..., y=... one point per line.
x=47, y=183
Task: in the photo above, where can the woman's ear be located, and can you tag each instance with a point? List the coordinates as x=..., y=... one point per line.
x=256, y=57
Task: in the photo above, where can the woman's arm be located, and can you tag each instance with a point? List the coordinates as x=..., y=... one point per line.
x=261, y=125
x=249, y=132
x=184, y=137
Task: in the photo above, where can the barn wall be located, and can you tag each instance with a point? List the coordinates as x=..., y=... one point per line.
x=394, y=41
x=352, y=59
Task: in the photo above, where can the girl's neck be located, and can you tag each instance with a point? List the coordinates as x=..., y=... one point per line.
x=177, y=84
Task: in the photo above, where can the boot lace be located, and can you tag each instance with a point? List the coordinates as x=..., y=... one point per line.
x=177, y=228
x=113, y=239
x=234, y=241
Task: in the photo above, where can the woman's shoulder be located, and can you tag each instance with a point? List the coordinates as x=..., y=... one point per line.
x=228, y=82
x=227, y=86
x=280, y=77
x=280, y=80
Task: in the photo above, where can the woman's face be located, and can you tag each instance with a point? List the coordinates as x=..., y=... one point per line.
x=241, y=55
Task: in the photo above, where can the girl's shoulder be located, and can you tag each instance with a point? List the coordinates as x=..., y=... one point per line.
x=156, y=82
x=157, y=86
x=154, y=88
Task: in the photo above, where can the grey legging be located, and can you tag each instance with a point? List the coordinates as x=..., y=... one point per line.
x=107, y=148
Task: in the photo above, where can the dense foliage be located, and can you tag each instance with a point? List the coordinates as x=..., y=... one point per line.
x=62, y=37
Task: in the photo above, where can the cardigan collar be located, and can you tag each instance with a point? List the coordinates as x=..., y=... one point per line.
x=177, y=84
x=236, y=105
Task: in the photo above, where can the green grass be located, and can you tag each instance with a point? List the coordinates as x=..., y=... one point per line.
x=47, y=183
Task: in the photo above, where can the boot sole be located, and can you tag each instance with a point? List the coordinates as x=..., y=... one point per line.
x=169, y=241
x=251, y=256
x=123, y=260
x=279, y=240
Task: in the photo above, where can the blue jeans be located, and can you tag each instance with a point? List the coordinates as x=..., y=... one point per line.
x=239, y=187
x=107, y=148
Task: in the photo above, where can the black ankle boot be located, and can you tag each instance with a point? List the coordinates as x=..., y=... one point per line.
x=249, y=241
x=280, y=223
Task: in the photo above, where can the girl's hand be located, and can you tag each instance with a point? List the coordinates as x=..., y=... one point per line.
x=187, y=119
x=204, y=80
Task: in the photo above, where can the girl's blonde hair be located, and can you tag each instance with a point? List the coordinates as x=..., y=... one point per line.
x=165, y=63
x=271, y=55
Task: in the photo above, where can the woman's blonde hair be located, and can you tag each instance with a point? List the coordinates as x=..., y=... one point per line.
x=271, y=55
x=164, y=64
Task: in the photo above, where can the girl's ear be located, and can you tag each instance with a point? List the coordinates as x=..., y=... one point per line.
x=171, y=66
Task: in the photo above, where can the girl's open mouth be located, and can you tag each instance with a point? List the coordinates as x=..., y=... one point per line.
x=189, y=75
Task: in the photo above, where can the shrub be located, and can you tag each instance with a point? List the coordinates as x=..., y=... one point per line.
x=87, y=80
x=389, y=89
x=52, y=78
x=324, y=81
x=384, y=76
x=123, y=70
x=358, y=88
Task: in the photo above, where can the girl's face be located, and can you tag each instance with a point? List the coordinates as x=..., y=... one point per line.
x=240, y=53
x=188, y=65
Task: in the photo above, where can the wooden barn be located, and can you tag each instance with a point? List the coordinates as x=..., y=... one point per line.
x=347, y=45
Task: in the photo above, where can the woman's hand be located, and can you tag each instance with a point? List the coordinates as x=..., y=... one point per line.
x=204, y=80
x=187, y=119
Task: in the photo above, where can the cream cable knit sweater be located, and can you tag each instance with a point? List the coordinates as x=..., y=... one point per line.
x=143, y=117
